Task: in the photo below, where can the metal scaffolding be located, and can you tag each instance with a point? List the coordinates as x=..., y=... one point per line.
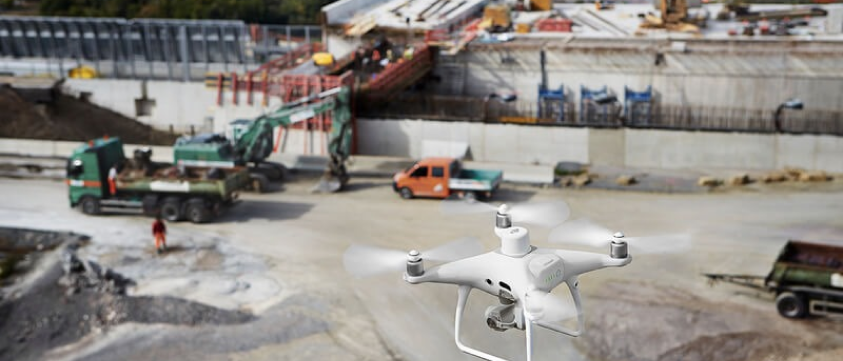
x=148, y=48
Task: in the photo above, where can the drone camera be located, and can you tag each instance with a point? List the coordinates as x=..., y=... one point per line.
x=503, y=317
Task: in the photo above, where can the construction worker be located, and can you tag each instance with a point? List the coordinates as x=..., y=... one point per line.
x=112, y=180
x=159, y=231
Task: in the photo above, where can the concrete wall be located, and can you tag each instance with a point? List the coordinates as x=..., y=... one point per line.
x=732, y=80
x=616, y=147
x=178, y=105
x=63, y=149
x=487, y=142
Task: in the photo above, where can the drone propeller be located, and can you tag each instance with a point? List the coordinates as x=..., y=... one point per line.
x=363, y=260
x=544, y=306
x=587, y=233
x=547, y=214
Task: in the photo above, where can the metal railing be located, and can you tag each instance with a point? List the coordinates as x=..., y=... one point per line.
x=678, y=117
x=173, y=49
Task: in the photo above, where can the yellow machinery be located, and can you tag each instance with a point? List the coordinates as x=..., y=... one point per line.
x=674, y=17
x=323, y=59
x=82, y=72
x=496, y=16
x=603, y=5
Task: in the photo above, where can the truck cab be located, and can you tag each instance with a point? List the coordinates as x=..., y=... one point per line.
x=87, y=169
x=442, y=177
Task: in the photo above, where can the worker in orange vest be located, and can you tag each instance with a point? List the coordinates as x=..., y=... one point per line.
x=159, y=231
x=112, y=179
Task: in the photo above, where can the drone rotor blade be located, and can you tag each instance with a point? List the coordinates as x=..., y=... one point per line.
x=668, y=243
x=546, y=214
x=455, y=250
x=544, y=306
x=364, y=261
x=452, y=207
x=581, y=231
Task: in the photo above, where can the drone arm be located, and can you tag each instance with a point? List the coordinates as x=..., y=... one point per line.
x=461, y=301
x=577, y=263
x=575, y=293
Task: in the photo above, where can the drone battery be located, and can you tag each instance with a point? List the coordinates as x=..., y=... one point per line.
x=548, y=270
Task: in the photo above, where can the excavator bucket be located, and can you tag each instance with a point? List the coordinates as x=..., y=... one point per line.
x=333, y=180
x=328, y=184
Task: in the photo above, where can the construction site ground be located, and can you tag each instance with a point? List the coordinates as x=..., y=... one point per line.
x=266, y=281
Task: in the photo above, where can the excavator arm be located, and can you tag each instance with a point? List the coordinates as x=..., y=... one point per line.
x=254, y=144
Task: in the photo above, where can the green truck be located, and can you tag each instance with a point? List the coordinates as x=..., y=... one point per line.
x=99, y=176
x=807, y=279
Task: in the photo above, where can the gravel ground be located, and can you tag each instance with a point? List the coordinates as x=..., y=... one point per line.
x=278, y=256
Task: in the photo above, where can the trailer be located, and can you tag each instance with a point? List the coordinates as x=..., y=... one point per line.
x=99, y=176
x=806, y=278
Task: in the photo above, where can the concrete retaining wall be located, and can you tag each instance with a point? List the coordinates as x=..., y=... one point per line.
x=63, y=149
x=177, y=105
x=616, y=147
x=689, y=79
x=487, y=142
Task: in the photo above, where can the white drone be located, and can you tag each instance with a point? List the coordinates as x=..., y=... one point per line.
x=519, y=274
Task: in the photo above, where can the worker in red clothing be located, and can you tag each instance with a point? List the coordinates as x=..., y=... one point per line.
x=159, y=231
x=112, y=180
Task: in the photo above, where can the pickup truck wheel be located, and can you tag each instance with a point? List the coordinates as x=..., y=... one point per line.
x=406, y=193
x=171, y=209
x=197, y=211
x=89, y=205
x=470, y=196
x=791, y=305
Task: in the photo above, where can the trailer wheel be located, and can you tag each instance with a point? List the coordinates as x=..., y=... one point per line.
x=791, y=305
x=406, y=193
x=197, y=211
x=171, y=209
x=89, y=205
x=260, y=182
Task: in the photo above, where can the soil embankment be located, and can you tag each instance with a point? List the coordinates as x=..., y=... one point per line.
x=69, y=118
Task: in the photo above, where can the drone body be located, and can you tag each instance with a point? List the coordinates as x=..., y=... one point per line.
x=519, y=274
x=522, y=277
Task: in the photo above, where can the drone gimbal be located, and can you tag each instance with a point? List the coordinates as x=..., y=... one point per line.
x=521, y=276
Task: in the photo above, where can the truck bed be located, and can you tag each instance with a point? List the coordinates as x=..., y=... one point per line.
x=476, y=180
x=197, y=180
x=802, y=263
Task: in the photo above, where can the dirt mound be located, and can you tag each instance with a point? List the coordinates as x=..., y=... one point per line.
x=69, y=118
x=69, y=298
x=650, y=321
x=739, y=346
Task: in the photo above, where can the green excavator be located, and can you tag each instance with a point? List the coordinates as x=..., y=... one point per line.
x=252, y=143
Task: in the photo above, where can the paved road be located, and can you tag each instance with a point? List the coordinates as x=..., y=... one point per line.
x=280, y=255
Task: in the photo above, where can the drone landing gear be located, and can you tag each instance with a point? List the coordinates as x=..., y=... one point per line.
x=463, y=292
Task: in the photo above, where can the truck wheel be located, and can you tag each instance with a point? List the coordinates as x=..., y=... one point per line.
x=89, y=205
x=197, y=211
x=791, y=305
x=259, y=182
x=470, y=196
x=406, y=193
x=171, y=209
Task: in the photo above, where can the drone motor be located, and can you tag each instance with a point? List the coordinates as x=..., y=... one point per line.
x=618, y=248
x=415, y=265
